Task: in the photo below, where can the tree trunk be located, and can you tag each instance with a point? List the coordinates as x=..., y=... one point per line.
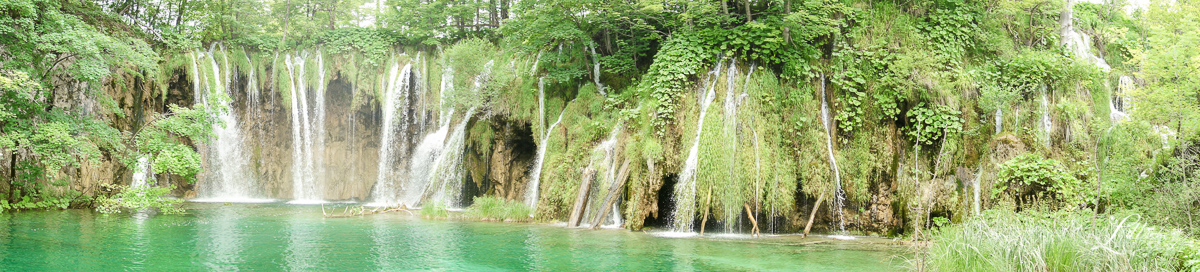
x=613, y=193
x=286, y=15
x=787, y=31
x=333, y=15
x=748, y=17
x=813, y=215
x=581, y=198
x=750, y=214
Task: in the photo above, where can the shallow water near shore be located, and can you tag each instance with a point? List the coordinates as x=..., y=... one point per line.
x=275, y=236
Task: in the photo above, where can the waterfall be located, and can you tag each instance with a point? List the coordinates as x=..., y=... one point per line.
x=423, y=160
x=445, y=179
x=999, y=121
x=385, y=191
x=1045, y=123
x=230, y=180
x=535, y=172
x=685, y=189
x=142, y=174
x=730, y=131
x=317, y=151
x=304, y=187
x=1077, y=42
x=536, y=60
x=435, y=168
x=1119, y=109
x=596, y=72
x=606, y=152
x=839, y=195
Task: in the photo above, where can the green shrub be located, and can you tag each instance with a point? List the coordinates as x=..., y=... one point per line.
x=1029, y=177
x=138, y=198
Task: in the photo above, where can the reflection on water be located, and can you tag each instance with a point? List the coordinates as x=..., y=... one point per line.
x=222, y=240
x=219, y=237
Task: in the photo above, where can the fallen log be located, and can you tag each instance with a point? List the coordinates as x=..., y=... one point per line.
x=581, y=199
x=750, y=214
x=813, y=215
x=614, y=192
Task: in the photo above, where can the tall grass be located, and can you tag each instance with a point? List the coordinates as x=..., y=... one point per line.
x=1007, y=241
x=435, y=210
x=499, y=209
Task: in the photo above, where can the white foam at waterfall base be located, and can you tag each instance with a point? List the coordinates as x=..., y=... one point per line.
x=675, y=234
x=685, y=189
x=842, y=237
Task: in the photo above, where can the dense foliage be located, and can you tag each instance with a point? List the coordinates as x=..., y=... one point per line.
x=1043, y=105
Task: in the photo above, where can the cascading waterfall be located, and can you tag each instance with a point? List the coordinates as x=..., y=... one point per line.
x=1045, y=123
x=685, y=189
x=1077, y=42
x=142, y=174
x=435, y=169
x=535, y=172
x=596, y=72
x=604, y=157
x=423, y=160
x=839, y=195
x=447, y=174
x=230, y=181
x=1117, y=110
x=385, y=189
x=305, y=187
x=999, y=121
x=317, y=150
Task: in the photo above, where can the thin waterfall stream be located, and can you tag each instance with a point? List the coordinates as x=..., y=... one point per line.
x=839, y=195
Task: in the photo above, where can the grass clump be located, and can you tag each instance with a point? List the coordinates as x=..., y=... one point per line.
x=1068, y=241
x=435, y=210
x=498, y=209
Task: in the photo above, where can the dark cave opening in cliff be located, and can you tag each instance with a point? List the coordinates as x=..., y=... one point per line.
x=666, y=205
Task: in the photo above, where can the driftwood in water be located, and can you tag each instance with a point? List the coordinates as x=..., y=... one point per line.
x=750, y=214
x=581, y=199
x=707, y=205
x=614, y=191
x=812, y=215
x=360, y=211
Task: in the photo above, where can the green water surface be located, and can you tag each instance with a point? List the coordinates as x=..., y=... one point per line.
x=270, y=237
